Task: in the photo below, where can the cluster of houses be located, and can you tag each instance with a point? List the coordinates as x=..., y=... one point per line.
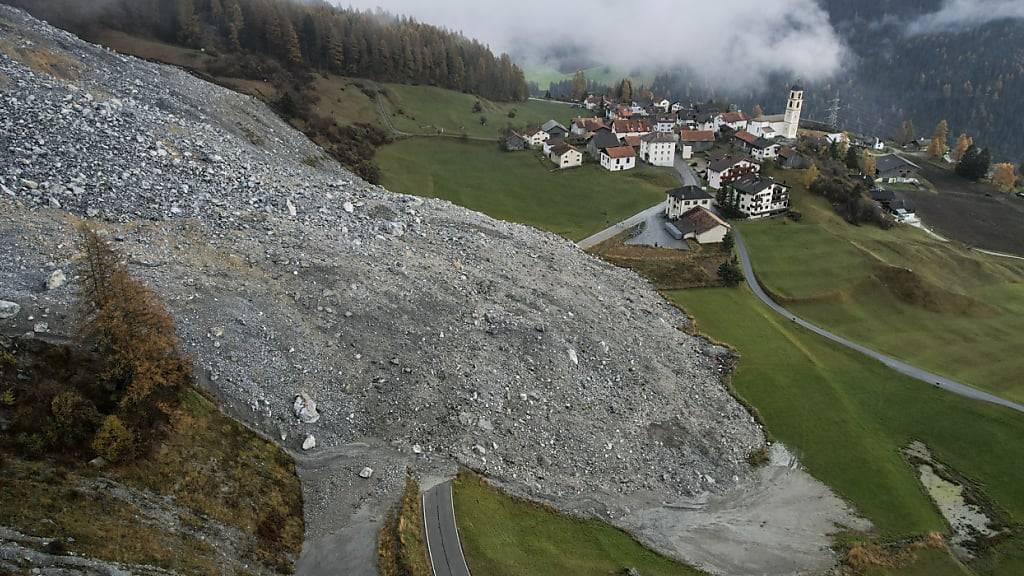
x=662, y=132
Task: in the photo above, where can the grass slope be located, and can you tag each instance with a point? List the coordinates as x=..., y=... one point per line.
x=520, y=186
x=426, y=109
x=848, y=417
x=903, y=292
x=504, y=536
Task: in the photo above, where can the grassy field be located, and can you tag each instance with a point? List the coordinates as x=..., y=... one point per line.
x=520, y=186
x=936, y=304
x=426, y=110
x=848, y=417
x=504, y=536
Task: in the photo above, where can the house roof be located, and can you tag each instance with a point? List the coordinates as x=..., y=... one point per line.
x=622, y=126
x=730, y=117
x=697, y=135
x=726, y=162
x=531, y=130
x=603, y=138
x=589, y=124
x=755, y=141
x=689, y=193
x=547, y=126
x=660, y=138
x=753, y=184
x=882, y=195
x=893, y=162
x=562, y=149
x=633, y=141
x=771, y=118
x=698, y=220
x=668, y=118
x=620, y=152
x=787, y=152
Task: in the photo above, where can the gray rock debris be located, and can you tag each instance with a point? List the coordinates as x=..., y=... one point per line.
x=304, y=408
x=55, y=280
x=404, y=318
x=9, y=309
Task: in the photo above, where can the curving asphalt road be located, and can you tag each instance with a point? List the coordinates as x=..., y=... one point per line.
x=443, y=545
x=897, y=365
x=615, y=229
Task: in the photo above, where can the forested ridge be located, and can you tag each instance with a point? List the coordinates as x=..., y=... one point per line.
x=313, y=35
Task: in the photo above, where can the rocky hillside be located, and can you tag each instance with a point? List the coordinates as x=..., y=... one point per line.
x=425, y=334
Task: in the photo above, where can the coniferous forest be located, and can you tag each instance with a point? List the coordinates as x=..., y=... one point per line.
x=313, y=35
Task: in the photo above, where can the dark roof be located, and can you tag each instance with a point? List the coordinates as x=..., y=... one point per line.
x=902, y=203
x=893, y=162
x=561, y=149
x=756, y=141
x=727, y=162
x=730, y=117
x=689, y=193
x=659, y=138
x=698, y=220
x=882, y=195
x=752, y=184
x=604, y=138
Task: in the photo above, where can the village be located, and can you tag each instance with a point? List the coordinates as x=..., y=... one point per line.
x=718, y=154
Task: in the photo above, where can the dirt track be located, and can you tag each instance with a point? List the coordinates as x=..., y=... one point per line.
x=975, y=214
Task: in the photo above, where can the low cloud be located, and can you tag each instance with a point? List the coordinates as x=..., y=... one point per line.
x=731, y=43
x=959, y=15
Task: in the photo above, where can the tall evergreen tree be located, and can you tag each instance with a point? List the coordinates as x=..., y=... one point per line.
x=940, y=137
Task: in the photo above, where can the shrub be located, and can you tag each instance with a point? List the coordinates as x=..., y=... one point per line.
x=477, y=107
x=75, y=416
x=114, y=441
x=730, y=273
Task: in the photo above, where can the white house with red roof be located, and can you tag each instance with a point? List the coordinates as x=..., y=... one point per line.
x=618, y=158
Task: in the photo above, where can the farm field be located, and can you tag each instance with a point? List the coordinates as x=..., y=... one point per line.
x=936, y=304
x=505, y=536
x=848, y=418
x=521, y=186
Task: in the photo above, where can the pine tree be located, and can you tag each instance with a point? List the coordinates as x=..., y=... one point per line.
x=1003, y=176
x=579, y=86
x=975, y=163
x=810, y=175
x=963, y=142
x=939, y=145
x=852, y=158
x=907, y=133
x=870, y=165
x=235, y=23
x=188, y=23
x=625, y=90
x=758, y=111
x=290, y=50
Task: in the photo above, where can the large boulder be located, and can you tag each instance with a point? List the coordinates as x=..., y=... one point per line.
x=9, y=309
x=305, y=408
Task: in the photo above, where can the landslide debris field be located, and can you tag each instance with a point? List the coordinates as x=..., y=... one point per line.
x=427, y=335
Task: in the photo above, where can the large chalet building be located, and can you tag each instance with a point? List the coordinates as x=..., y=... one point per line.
x=729, y=169
x=757, y=196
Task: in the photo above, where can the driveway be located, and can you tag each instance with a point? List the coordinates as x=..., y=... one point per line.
x=686, y=174
x=897, y=365
x=616, y=229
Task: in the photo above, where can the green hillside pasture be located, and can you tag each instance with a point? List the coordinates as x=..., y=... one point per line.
x=935, y=304
x=521, y=186
x=848, y=418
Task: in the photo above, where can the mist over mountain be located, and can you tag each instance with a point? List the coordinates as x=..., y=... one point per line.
x=885, y=60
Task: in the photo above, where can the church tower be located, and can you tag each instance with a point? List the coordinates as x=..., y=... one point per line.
x=793, y=109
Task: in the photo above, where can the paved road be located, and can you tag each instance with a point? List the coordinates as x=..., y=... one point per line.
x=897, y=365
x=614, y=229
x=443, y=543
x=686, y=174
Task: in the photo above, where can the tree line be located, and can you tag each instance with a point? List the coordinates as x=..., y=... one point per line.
x=313, y=35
